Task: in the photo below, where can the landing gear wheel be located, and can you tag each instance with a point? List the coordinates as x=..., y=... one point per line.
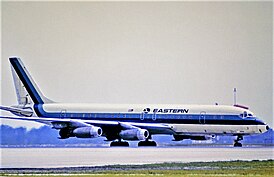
x=147, y=143
x=119, y=143
x=237, y=141
x=237, y=144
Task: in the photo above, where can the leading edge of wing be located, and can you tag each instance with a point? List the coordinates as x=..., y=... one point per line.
x=154, y=127
x=52, y=121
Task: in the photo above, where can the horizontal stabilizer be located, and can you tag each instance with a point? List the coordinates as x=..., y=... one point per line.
x=24, y=111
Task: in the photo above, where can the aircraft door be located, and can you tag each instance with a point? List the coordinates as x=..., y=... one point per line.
x=63, y=113
x=202, y=117
x=142, y=116
x=154, y=116
x=145, y=114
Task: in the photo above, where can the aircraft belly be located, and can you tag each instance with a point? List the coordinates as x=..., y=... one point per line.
x=217, y=129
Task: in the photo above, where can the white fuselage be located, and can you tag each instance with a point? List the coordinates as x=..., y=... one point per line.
x=183, y=119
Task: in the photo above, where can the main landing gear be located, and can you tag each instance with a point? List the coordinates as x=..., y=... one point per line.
x=120, y=143
x=147, y=143
x=237, y=141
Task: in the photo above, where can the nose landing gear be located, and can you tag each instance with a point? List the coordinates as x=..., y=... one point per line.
x=237, y=142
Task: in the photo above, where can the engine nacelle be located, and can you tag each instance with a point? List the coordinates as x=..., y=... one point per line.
x=134, y=134
x=87, y=132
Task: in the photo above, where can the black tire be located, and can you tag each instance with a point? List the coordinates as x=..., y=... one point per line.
x=120, y=144
x=237, y=144
x=147, y=143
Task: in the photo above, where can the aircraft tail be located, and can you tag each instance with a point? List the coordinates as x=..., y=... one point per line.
x=23, y=98
x=20, y=73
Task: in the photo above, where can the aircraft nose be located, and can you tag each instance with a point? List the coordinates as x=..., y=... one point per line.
x=260, y=122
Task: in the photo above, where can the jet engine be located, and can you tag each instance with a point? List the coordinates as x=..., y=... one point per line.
x=87, y=132
x=134, y=134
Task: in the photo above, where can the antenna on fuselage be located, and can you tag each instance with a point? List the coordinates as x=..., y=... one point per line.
x=235, y=96
x=235, y=100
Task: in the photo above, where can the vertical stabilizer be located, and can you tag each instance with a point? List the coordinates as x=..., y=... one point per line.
x=21, y=93
x=28, y=84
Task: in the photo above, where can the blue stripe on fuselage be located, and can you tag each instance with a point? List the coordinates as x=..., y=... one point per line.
x=150, y=118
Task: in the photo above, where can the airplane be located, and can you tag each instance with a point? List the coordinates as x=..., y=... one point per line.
x=121, y=123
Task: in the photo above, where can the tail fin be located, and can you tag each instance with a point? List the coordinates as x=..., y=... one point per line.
x=29, y=84
x=23, y=97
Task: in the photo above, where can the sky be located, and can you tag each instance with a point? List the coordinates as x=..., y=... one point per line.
x=142, y=52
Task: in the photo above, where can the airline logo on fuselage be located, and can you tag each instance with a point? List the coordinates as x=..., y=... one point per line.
x=156, y=110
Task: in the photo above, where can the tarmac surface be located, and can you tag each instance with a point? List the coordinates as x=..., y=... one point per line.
x=87, y=157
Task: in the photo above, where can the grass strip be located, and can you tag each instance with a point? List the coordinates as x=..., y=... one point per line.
x=229, y=168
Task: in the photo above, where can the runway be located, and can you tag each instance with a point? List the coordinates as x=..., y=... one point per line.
x=78, y=157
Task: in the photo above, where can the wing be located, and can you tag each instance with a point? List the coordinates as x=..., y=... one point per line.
x=109, y=127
